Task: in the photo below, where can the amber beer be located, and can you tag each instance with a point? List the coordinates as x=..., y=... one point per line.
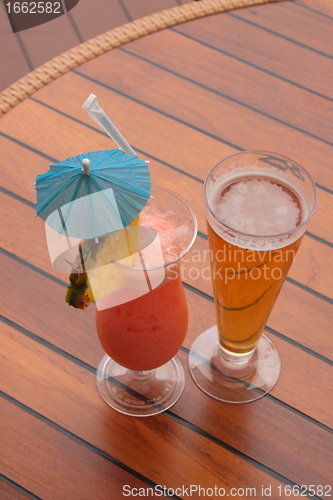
x=246, y=285
x=249, y=266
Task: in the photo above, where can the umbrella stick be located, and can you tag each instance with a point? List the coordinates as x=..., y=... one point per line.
x=145, y=271
x=64, y=228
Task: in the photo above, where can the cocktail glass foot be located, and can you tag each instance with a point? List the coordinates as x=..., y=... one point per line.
x=140, y=393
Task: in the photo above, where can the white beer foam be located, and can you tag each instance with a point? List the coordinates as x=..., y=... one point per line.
x=257, y=207
x=247, y=237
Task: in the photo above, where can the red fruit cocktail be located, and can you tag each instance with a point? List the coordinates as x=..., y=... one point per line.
x=143, y=325
x=147, y=332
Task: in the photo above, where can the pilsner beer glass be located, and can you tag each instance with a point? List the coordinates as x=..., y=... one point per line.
x=258, y=206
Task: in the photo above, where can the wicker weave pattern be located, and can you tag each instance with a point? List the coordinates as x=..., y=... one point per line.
x=82, y=53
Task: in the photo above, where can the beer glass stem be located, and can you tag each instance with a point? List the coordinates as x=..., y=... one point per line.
x=234, y=358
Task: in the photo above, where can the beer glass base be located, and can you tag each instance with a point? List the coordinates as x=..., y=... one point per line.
x=233, y=382
x=140, y=393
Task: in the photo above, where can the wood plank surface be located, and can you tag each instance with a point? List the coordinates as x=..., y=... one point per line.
x=224, y=75
x=85, y=21
x=184, y=98
x=77, y=405
x=144, y=7
x=313, y=265
x=267, y=51
x=304, y=318
x=58, y=467
x=323, y=7
x=295, y=391
x=14, y=63
x=297, y=313
x=9, y=492
x=102, y=142
x=160, y=170
x=93, y=21
x=161, y=173
x=227, y=121
x=182, y=145
x=314, y=31
x=49, y=40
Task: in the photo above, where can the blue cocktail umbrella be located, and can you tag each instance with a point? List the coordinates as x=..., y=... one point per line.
x=93, y=194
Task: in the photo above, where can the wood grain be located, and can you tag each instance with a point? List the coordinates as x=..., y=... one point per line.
x=313, y=266
x=226, y=120
x=308, y=396
x=263, y=49
x=25, y=238
x=8, y=492
x=46, y=41
x=30, y=245
x=145, y=7
x=153, y=147
x=181, y=145
x=270, y=440
x=52, y=465
x=25, y=164
x=11, y=54
x=223, y=74
x=323, y=7
x=19, y=157
x=67, y=395
x=313, y=31
x=184, y=106
x=13, y=154
x=93, y=21
x=303, y=318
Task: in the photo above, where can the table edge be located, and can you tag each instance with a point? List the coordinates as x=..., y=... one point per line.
x=48, y=72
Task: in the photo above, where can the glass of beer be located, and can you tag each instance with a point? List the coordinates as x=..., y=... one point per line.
x=258, y=206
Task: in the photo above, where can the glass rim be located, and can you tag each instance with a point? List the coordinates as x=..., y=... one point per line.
x=257, y=236
x=183, y=252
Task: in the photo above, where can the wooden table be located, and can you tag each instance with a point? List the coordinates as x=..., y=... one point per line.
x=255, y=78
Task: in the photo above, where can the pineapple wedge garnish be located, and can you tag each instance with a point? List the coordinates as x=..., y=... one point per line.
x=94, y=275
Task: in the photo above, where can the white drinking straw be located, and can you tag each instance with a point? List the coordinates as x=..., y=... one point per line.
x=96, y=113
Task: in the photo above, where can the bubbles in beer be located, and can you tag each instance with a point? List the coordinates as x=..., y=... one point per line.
x=281, y=210
x=258, y=206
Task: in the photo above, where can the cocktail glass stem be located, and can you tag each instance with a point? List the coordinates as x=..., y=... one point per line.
x=140, y=375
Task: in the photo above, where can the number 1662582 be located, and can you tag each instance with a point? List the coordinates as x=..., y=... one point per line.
x=34, y=7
